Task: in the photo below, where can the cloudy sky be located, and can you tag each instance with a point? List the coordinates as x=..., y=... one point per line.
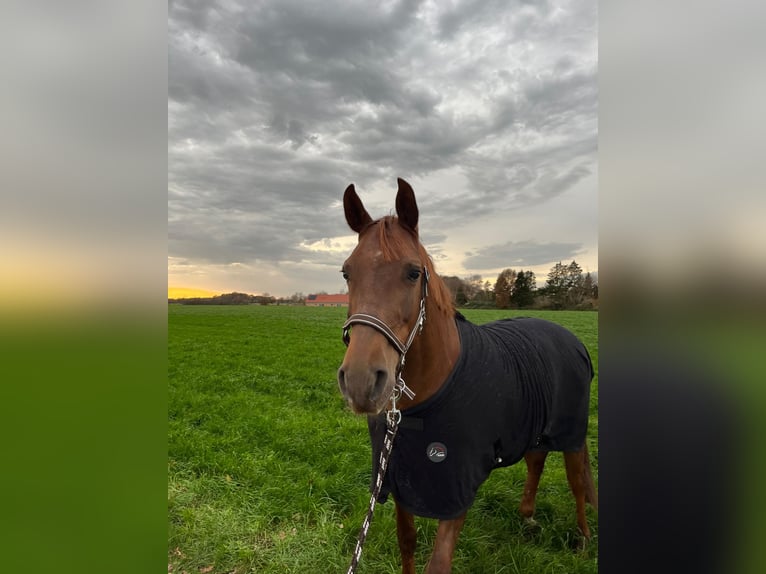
x=488, y=108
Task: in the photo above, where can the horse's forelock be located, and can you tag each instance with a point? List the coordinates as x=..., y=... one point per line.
x=394, y=245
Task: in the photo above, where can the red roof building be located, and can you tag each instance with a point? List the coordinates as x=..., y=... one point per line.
x=337, y=300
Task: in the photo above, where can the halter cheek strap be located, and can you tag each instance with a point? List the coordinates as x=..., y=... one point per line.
x=402, y=348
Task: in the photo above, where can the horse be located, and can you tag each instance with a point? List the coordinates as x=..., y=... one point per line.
x=467, y=399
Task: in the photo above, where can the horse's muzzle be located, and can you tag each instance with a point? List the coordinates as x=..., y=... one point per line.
x=366, y=389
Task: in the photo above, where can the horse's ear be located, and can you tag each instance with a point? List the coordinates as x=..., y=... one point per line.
x=356, y=215
x=406, y=206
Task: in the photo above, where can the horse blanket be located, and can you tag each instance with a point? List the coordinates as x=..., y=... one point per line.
x=519, y=384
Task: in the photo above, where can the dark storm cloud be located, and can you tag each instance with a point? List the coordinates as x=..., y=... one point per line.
x=274, y=107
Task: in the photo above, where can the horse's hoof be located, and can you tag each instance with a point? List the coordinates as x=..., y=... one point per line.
x=530, y=525
x=531, y=530
x=580, y=543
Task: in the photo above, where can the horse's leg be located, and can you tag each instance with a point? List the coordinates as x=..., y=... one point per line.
x=407, y=537
x=591, y=496
x=444, y=546
x=535, y=463
x=575, y=466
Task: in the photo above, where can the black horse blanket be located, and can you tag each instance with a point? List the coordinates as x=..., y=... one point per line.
x=518, y=385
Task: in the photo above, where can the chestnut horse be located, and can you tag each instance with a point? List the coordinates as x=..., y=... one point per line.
x=449, y=437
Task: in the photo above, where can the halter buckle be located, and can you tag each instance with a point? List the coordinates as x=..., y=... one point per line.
x=403, y=388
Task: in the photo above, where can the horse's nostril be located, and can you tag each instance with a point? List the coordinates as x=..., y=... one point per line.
x=342, y=380
x=381, y=377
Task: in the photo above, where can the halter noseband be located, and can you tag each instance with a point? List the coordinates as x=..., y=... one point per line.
x=388, y=333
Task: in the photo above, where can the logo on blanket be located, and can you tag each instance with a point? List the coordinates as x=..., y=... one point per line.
x=436, y=452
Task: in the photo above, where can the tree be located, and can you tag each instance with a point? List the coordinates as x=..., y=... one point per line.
x=555, y=285
x=589, y=287
x=523, y=294
x=488, y=294
x=472, y=286
x=574, y=284
x=594, y=290
x=504, y=288
x=565, y=285
x=470, y=291
x=455, y=286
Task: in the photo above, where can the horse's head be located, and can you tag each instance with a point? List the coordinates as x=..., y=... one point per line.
x=386, y=281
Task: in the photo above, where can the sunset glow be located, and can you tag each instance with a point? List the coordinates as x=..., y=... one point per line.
x=189, y=292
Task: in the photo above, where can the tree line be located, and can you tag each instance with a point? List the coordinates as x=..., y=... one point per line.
x=227, y=299
x=566, y=287
x=236, y=298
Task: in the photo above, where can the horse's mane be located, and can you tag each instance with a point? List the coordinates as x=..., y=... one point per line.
x=394, y=245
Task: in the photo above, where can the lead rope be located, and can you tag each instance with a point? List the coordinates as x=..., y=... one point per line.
x=392, y=425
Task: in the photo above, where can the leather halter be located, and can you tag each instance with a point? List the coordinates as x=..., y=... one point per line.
x=386, y=331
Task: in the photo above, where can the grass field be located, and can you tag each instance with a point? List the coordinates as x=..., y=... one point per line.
x=268, y=471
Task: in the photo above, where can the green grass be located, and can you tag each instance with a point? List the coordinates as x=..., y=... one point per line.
x=268, y=471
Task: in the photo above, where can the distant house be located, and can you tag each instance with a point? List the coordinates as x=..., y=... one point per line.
x=337, y=300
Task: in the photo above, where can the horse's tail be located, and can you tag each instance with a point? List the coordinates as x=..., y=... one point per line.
x=591, y=496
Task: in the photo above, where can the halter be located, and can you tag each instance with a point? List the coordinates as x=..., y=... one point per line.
x=402, y=348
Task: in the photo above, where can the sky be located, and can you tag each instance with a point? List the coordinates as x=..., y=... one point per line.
x=489, y=109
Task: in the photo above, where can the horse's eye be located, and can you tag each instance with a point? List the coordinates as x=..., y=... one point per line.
x=413, y=275
x=345, y=275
